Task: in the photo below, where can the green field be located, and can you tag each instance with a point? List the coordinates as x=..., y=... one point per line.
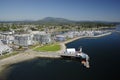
x=52, y=47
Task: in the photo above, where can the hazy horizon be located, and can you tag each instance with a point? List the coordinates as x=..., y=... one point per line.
x=77, y=10
x=59, y=17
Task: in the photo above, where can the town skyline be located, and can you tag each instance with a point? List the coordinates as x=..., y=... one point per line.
x=78, y=10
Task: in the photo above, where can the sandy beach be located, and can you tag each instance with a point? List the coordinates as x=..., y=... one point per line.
x=27, y=55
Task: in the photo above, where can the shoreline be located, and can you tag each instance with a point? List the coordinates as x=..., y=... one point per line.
x=76, y=38
x=30, y=54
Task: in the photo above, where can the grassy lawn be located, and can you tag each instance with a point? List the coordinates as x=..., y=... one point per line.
x=51, y=47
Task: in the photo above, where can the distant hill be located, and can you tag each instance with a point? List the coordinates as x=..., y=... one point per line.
x=53, y=20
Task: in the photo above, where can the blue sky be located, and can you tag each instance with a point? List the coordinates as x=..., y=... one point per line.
x=101, y=10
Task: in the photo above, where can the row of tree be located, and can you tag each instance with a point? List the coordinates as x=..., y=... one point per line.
x=62, y=26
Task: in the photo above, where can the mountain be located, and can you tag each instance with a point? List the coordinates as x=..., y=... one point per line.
x=55, y=20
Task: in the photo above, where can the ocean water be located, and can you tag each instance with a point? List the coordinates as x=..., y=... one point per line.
x=104, y=55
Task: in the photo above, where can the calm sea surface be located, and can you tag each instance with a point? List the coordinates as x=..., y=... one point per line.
x=104, y=55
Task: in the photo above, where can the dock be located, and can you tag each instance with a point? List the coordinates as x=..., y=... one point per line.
x=84, y=61
x=72, y=54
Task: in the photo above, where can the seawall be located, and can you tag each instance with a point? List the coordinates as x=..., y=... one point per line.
x=76, y=38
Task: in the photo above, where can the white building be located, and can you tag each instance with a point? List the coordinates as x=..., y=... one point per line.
x=4, y=48
x=7, y=37
x=42, y=38
x=70, y=51
x=23, y=40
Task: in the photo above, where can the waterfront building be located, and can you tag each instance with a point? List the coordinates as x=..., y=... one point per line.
x=7, y=37
x=45, y=39
x=42, y=38
x=23, y=40
x=4, y=48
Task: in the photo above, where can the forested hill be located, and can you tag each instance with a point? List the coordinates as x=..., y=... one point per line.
x=52, y=20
